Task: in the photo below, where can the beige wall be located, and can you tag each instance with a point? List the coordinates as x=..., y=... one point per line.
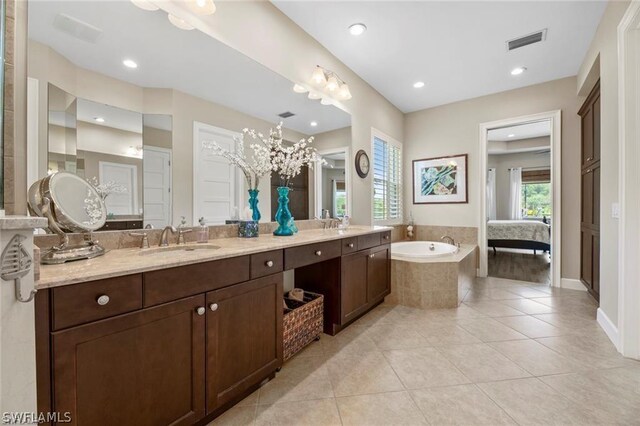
x=157, y=137
x=453, y=129
x=601, y=62
x=502, y=164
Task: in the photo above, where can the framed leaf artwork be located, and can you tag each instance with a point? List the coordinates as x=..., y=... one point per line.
x=440, y=180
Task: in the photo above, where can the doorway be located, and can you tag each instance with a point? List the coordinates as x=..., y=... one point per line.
x=520, y=208
x=332, y=197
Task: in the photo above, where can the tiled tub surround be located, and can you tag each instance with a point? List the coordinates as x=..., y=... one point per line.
x=439, y=282
x=461, y=234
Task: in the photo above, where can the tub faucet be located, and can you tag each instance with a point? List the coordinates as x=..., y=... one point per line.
x=164, y=237
x=448, y=240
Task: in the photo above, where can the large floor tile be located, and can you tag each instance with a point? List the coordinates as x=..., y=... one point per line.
x=594, y=353
x=444, y=334
x=362, y=374
x=459, y=405
x=490, y=330
x=493, y=308
x=396, y=336
x=481, y=363
x=300, y=379
x=616, y=391
x=525, y=291
x=424, y=367
x=381, y=409
x=530, y=326
x=352, y=340
x=531, y=402
x=536, y=358
x=321, y=412
x=236, y=416
x=566, y=320
x=528, y=306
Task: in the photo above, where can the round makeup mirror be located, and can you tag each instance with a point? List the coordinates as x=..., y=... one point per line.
x=71, y=204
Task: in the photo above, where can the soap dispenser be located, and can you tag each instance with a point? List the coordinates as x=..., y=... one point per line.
x=202, y=233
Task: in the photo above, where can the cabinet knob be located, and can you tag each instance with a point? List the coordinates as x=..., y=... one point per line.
x=200, y=310
x=588, y=171
x=213, y=307
x=319, y=253
x=590, y=158
x=103, y=300
x=350, y=245
x=269, y=263
x=372, y=255
x=386, y=237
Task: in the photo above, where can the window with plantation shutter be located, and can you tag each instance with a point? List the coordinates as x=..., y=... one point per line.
x=387, y=180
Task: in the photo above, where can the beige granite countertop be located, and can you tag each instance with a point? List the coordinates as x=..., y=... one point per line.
x=130, y=261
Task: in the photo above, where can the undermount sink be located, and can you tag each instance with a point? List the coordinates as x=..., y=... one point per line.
x=186, y=247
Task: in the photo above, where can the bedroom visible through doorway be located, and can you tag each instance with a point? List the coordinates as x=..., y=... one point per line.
x=519, y=202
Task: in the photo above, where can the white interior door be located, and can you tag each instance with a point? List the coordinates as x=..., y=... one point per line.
x=216, y=184
x=157, y=187
x=126, y=175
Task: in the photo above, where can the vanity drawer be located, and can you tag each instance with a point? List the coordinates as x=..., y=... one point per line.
x=263, y=264
x=86, y=302
x=385, y=237
x=368, y=241
x=175, y=283
x=349, y=245
x=296, y=257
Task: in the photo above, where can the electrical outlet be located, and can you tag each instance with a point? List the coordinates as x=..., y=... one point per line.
x=615, y=210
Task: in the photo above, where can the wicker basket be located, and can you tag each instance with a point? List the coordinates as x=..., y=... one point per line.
x=302, y=323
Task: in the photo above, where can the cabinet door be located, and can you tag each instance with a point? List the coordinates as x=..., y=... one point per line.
x=244, y=337
x=142, y=368
x=353, y=286
x=586, y=263
x=378, y=284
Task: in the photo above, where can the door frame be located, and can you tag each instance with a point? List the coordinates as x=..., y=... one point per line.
x=555, y=119
x=627, y=336
x=134, y=182
x=170, y=152
x=317, y=179
x=238, y=177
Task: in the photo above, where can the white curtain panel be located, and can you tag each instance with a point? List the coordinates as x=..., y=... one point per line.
x=515, y=193
x=491, y=195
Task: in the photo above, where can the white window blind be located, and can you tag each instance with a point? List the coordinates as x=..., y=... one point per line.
x=387, y=181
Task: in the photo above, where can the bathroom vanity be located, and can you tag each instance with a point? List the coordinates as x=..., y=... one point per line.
x=177, y=336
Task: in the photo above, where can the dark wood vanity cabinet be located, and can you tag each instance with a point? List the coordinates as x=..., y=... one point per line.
x=244, y=338
x=142, y=368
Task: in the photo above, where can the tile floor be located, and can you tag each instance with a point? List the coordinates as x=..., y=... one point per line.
x=512, y=353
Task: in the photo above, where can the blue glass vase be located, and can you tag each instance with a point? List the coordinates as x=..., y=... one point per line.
x=283, y=215
x=253, y=204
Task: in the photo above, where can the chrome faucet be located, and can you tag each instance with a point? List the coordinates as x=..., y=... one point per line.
x=164, y=237
x=181, y=232
x=448, y=240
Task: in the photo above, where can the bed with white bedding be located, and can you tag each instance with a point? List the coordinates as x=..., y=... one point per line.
x=519, y=234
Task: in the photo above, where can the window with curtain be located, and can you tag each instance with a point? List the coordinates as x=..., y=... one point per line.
x=536, y=193
x=387, y=181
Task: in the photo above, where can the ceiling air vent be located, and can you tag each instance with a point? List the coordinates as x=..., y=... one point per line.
x=519, y=42
x=76, y=28
x=286, y=114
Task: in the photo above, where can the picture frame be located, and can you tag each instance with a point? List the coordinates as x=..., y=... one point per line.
x=441, y=180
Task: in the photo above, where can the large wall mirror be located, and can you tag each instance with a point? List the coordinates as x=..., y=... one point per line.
x=130, y=110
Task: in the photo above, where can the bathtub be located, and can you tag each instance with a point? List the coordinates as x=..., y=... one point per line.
x=415, y=250
x=430, y=274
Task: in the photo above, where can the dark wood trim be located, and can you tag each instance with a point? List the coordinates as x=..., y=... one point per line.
x=466, y=178
x=595, y=92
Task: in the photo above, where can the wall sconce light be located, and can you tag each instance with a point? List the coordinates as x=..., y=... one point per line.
x=325, y=85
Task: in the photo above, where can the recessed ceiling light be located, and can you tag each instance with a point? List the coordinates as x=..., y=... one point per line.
x=511, y=135
x=99, y=119
x=518, y=70
x=313, y=123
x=418, y=84
x=357, y=29
x=130, y=63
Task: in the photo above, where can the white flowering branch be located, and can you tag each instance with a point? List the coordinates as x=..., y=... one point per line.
x=107, y=188
x=288, y=160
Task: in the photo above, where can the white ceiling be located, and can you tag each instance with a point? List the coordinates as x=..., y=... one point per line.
x=522, y=131
x=457, y=48
x=168, y=57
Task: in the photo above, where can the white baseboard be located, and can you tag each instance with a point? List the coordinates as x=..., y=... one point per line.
x=571, y=284
x=609, y=328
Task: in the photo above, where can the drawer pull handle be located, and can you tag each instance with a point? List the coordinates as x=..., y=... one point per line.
x=319, y=253
x=269, y=263
x=372, y=255
x=350, y=245
x=103, y=300
x=200, y=310
x=213, y=307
